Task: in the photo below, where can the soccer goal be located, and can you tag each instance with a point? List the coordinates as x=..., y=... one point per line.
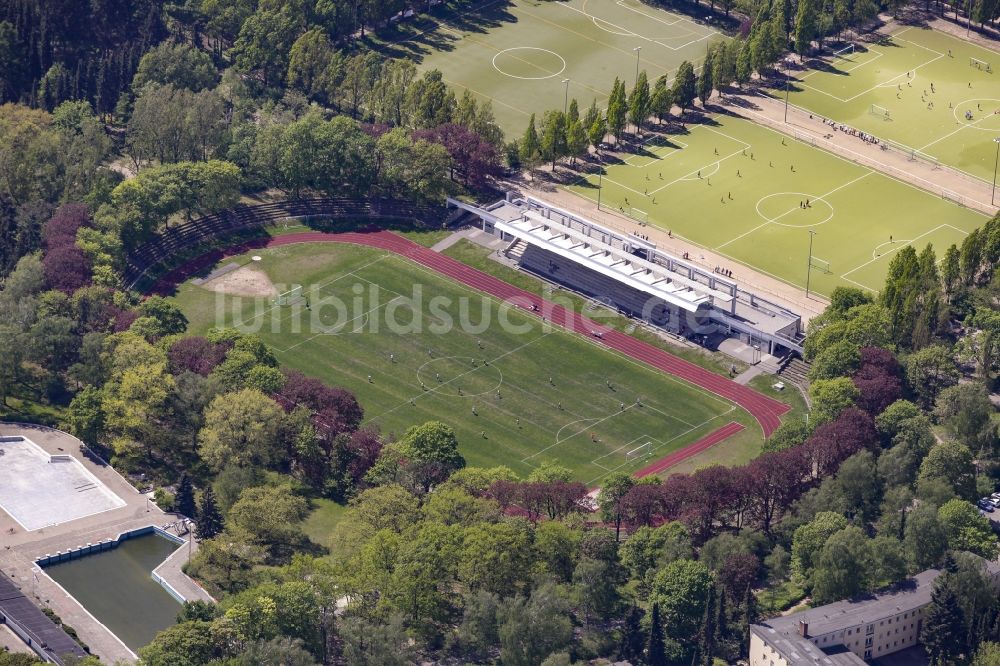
x=638, y=215
x=980, y=64
x=880, y=111
x=844, y=52
x=293, y=295
x=821, y=265
x=639, y=452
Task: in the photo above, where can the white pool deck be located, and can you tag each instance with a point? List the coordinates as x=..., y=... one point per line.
x=39, y=490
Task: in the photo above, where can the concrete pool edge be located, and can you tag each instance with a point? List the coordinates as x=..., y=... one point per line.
x=25, y=547
x=41, y=563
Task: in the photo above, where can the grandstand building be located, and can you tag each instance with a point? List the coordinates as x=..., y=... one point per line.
x=631, y=274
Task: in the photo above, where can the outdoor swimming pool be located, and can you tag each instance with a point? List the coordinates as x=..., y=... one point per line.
x=116, y=587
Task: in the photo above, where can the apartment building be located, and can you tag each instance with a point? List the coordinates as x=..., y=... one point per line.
x=846, y=633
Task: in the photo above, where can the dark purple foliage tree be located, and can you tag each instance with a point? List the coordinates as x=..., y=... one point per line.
x=61, y=229
x=195, y=354
x=66, y=268
x=476, y=158
x=336, y=410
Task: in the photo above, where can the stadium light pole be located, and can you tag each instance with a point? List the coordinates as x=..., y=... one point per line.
x=996, y=162
x=565, y=96
x=809, y=263
x=637, y=49
x=786, y=96
x=600, y=176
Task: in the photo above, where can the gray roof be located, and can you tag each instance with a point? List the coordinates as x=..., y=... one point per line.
x=908, y=595
x=782, y=633
x=49, y=639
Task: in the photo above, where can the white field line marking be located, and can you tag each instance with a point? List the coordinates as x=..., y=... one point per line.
x=320, y=286
x=884, y=84
x=642, y=37
x=904, y=244
x=821, y=197
x=953, y=132
x=360, y=316
x=677, y=436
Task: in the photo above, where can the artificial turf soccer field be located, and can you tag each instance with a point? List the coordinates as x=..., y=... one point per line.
x=897, y=75
x=520, y=62
x=576, y=420
x=728, y=185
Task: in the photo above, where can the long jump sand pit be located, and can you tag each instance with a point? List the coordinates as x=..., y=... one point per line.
x=40, y=490
x=243, y=281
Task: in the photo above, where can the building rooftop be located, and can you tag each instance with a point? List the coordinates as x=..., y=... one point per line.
x=908, y=595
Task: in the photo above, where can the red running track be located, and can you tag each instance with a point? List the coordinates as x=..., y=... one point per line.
x=767, y=411
x=706, y=442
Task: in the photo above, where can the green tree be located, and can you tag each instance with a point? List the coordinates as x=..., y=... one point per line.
x=685, y=86
x=595, y=589
x=656, y=652
x=929, y=371
x=705, y=81
x=184, y=644
x=425, y=456
x=639, y=102
x=661, y=100
x=681, y=590
x=617, y=109
x=631, y=642
x=966, y=529
x=951, y=462
x=179, y=65
x=531, y=629
x=609, y=499
x=925, y=540
x=529, y=148
x=495, y=557
x=841, y=359
x=809, y=539
x=943, y=622
x=240, y=428
x=829, y=397
x=805, y=27
x=184, y=502
x=553, y=139
x=845, y=567
x=209, y=519
x=987, y=654
x=576, y=140
x=966, y=410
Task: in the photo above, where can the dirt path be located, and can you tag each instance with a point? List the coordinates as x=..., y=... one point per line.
x=767, y=286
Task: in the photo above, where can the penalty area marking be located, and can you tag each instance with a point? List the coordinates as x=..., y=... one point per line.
x=529, y=48
x=698, y=175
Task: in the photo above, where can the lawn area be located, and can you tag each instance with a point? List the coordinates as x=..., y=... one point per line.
x=414, y=346
x=518, y=54
x=318, y=526
x=941, y=99
x=752, y=194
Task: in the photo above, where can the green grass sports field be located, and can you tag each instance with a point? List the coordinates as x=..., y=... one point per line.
x=530, y=48
x=954, y=122
x=518, y=394
x=753, y=194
